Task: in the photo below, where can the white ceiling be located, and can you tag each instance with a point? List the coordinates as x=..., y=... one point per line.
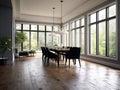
x=41, y=10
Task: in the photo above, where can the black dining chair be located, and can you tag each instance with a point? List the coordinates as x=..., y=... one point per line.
x=43, y=54
x=50, y=55
x=73, y=54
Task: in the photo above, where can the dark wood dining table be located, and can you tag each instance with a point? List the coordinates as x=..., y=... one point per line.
x=59, y=51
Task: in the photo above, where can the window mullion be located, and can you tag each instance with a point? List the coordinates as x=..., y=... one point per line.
x=97, y=35
x=107, y=33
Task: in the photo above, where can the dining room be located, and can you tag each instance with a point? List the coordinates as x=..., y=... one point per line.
x=81, y=41
x=82, y=30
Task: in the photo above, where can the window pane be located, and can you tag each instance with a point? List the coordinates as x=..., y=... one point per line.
x=26, y=43
x=33, y=41
x=82, y=40
x=93, y=39
x=112, y=11
x=82, y=22
x=65, y=40
x=77, y=23
x=112, y=38
x=102, y=14
x=18, y=26
x=48, y=39
x=56, y=28
x=102, y=38
x=25, y=26
x=18, y=46
x=93, y=18
x=67, y=27
x=33, y=27
x=73, y=25
x=56, y=40
x=49, y=28
x=67, y=37
x=41, y=39
x=41, y=27
x=73, y=38
x=78, y=37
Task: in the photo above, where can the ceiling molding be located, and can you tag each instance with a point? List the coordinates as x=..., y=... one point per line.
x=41, y=11
x=35, y=18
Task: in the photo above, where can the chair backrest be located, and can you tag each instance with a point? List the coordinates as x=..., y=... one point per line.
x=74, y=53
x=43, y=50
x=47, y=52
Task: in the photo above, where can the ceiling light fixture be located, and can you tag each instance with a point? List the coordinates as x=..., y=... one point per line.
x=61, y=30
x=53, y=32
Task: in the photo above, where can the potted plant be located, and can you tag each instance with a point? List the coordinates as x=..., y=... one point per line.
x=5, y=45
x=20, y=37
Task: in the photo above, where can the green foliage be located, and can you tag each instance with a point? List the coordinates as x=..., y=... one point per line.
x=5, y=45
x=55, y=44
x=112, y=43
x=20, y=37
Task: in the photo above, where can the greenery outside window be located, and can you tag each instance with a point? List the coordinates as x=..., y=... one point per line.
x=102, y=32
x=37, y=36
x=77, y=34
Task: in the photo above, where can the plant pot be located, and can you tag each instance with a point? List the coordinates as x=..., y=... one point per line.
x=3, y=61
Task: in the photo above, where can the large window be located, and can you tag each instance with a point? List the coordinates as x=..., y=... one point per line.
x=77, y=36
x=38, y=35
x=102, y=32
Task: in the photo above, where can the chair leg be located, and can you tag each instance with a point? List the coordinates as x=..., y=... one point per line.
x=69, y=62
x=63, y=57
x=74, y=61
x=65, y=61
x=48, y=61
x=45, y=60
x=79, y=62
x=58, y=62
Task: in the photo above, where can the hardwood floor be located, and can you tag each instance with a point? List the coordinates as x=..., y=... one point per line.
x=30, y=74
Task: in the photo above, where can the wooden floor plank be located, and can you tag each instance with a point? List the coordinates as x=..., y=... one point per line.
x=29, y=73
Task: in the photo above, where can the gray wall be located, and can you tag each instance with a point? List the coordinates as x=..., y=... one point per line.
x=6, y=23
